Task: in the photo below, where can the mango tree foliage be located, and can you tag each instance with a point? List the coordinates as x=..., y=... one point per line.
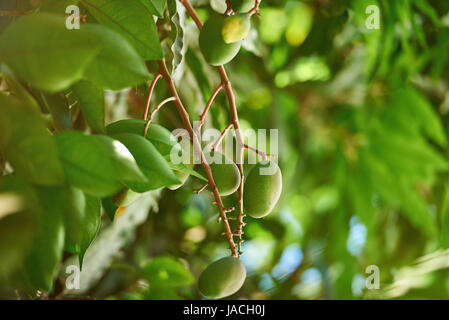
x=356, y=88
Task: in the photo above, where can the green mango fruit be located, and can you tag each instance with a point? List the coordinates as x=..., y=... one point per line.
x=226, y=175
x=261, y=191
x=222, y=278
x=214, y=49
x=242, y=5
x=236, y=28
x=161, y=138
x=125, y=197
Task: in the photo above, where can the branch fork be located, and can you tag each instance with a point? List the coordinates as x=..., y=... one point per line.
x=160, y=105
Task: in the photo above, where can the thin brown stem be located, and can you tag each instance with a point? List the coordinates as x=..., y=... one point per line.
x=192, y=13
x=197, y=148
x=209, y=103
x=220, y=138
x=229, y=10
x=255, y=9
x=261, y=153
x=150, y=118
x=150, y=93
x=201, y=189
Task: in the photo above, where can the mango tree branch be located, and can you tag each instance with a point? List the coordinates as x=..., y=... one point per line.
x=209, y=103
x=220, y=138
x=160, y=105
x=255, y=9
x=235, y=120
x=261, y=153
x=229, y=10
x=197, y=149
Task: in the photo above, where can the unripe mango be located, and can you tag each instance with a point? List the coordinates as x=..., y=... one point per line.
x=242, y=5
x=236, y=28
x=214, y=49
x=262, y=189
x=222, y=278
x=125, y=197
x=226, y=175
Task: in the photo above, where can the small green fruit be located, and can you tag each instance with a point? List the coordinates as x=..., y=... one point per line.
x=226, y=175
x=222, y=278
x=125, y=197
x=261, y=191
x=236, y=28
x=214, y=49
x=242, y=5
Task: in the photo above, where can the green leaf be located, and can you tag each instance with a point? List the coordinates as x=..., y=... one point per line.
x=131, y=19
x=174, y=44
x=126, y=168
x=161, y=293
x=74, y=216
x=43, y=261
x=111, y=241
x=91, y=225
x=91, y=101
x=17, y=227
x=415, y=107
x=118, y=65
x=428, y=10
x=156, y=7
x=109, y=207
x=444, y=218
x=196, y=67
x=183, y=168
x=167, y=272
x=18, y=88
x=17, y=232
x=27, y=144
x=58, y=106
x=159, y=136
x=417, y=211
x=42, y=51
x=150, y=161
x=87, y=163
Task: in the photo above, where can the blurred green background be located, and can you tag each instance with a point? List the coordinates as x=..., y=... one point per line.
x=362, y=116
